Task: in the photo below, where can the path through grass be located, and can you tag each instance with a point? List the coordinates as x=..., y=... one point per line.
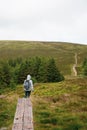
x=56, y=106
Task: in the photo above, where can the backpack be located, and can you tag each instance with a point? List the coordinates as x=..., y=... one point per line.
x=27, y=85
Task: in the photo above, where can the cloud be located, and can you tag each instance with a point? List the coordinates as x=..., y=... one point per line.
x=47, y=20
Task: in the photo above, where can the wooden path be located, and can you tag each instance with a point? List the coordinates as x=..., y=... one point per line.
x=23, y=119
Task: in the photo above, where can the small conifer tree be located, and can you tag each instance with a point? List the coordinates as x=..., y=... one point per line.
x=53, y=74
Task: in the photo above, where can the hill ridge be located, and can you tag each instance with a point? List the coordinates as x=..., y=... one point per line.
x=61, y=52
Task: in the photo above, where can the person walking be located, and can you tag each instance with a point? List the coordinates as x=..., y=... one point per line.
x=28, y=86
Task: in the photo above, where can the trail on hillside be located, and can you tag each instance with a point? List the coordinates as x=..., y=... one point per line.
x=75, y=65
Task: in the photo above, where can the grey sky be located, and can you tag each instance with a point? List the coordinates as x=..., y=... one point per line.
x=45, y=20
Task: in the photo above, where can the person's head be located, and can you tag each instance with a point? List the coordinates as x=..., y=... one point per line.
x=28, y=77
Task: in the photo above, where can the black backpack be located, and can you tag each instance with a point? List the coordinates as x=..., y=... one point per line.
x=27, y=85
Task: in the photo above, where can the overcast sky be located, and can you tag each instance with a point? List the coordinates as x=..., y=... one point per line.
x=44, y=20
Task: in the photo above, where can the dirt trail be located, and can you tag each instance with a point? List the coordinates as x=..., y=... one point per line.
x=75, y=65
x=2, y=96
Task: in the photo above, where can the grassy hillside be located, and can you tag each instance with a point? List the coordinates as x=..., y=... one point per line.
x=56, y=106
x=61, y=106
x=62, y=52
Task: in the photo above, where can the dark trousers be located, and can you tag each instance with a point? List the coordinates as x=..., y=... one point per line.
x=27, y=93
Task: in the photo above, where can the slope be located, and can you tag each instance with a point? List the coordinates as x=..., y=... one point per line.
x=62, y=52
x=56, y=106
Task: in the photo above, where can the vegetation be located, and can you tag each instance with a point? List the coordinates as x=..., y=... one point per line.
x=42, y=70
x=61, y=106
x=53, y=75
x=84, y=66
x=56, y=105
x=62, y=53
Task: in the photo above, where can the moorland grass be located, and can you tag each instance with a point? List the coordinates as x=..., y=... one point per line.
x=60, y=106
x=56, y=106
x=63, y=53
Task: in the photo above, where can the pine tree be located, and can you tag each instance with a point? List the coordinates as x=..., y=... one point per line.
x=24, y=70
x=22, y=73
x=12, y=62
x=53, y=74
x=42, y=72
x=84, y=66
x=35, y=67
x=5, y=74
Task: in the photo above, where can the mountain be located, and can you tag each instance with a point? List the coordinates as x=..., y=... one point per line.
x=63, y=53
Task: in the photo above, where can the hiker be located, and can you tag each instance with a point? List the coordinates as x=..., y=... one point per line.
x=28, y=86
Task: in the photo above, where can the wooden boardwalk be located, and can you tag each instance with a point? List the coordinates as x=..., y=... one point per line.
x=23, y=119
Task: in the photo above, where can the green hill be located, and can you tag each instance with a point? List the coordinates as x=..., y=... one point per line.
x=62, y=52
x=56, y=106
x=61, y=106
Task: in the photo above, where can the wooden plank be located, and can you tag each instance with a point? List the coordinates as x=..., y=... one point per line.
x=18, y=115
x=17, y=127
x=28, y=118
x=23, y=117
x=19, y=112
